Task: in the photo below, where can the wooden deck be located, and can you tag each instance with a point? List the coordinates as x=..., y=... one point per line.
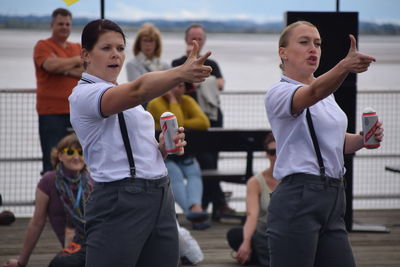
x=370, y=249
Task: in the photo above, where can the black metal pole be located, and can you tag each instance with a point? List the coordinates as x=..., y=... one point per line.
x=102, y=9
x=337, y=5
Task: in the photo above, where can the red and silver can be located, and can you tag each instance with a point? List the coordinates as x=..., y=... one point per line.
x=169, y=127
x=369, y=125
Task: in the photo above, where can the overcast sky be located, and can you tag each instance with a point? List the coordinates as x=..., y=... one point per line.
x=381, y=11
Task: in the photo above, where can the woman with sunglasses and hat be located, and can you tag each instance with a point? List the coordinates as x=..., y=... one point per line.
x=60, y=196
x=250, y=241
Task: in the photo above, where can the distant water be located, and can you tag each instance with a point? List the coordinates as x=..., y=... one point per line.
x=247, y=61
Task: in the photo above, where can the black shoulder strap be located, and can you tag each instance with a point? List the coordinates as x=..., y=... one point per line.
x=127, y=144
x=315, y=142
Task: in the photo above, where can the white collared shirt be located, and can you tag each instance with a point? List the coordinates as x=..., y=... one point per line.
x=295, y=150
x=101, y=139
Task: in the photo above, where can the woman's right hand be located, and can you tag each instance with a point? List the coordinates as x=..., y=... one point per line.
x=12, y=263
x=194, y=70
x=355, y=61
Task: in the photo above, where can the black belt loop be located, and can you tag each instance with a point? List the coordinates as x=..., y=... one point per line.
x=287, y=179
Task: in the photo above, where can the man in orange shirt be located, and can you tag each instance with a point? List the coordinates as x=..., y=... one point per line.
x=58, y=68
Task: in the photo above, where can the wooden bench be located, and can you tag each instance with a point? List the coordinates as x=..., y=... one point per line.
x=393, y=168
x=227, y=140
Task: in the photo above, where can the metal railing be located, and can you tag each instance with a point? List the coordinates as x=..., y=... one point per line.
x=20, y=154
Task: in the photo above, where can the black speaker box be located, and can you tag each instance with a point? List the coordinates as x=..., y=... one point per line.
x=334, y=28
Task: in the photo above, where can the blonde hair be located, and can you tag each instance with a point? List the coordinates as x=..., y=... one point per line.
x=69, y=141
x=284, y=37
x=150, y=31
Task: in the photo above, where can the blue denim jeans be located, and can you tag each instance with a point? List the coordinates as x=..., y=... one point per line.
x=189, y=193
x=52, y=128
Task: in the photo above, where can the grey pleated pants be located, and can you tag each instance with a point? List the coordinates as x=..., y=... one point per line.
x=306, y=225
x=132, y=222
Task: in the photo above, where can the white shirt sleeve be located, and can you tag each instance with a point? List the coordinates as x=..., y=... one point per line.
x=278, y=100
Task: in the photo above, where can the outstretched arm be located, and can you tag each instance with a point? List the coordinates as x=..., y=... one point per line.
x=154, y=84
x=327, y=83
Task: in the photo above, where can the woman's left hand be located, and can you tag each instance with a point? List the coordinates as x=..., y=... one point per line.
x=179, y=140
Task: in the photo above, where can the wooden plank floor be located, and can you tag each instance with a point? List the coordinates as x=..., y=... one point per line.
x=370, y=249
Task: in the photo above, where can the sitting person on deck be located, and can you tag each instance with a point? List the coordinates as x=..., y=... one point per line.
x=250, y=242
x=60, y=195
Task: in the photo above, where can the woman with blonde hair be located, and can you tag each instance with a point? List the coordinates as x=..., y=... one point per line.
x=306, y=212
x=147, y=50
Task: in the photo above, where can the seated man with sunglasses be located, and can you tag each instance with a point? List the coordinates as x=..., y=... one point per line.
x=250, y=242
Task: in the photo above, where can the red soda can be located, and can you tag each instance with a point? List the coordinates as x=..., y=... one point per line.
x=369, y=125
x=169, y=127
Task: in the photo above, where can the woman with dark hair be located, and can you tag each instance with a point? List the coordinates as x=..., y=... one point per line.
x=130, y=216
x=306, y=213
x=250, y=241
x=61, y=195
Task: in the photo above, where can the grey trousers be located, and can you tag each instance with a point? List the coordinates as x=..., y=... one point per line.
x=306, y=225
x=132, y=222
